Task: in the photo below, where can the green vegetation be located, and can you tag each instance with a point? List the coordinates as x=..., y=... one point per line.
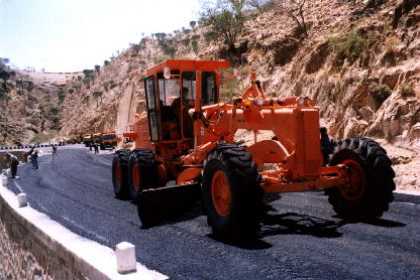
x=380, y=92
x=166, y=43
x=89, y=75
x=407, y=90
x=351, y=46
x=295, y=9
x=135, y=48
x=225, y=21
x=194, y=46
x=62, y=95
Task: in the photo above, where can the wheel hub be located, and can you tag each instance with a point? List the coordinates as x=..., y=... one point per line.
x=356, y=185
x=221, y=194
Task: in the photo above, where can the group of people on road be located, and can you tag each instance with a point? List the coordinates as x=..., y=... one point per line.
x=32, y=155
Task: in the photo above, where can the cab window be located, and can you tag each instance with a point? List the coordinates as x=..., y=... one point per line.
x=151, y=108
x=209, y=89
x=188, y=84
x=169, y=103
x=188, y=97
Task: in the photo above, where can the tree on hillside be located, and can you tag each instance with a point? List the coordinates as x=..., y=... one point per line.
x=98, y=97
x=295, y=9
x=193, y=23
x=225, y=20
x=89, y=75
x=166, y=44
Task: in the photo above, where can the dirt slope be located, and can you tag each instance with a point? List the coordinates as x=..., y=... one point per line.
x=361, y=67
x=30, y=105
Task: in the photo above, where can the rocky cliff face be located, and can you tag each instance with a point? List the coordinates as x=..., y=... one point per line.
x=360, y=62
x=361, y=67
x=30, y=105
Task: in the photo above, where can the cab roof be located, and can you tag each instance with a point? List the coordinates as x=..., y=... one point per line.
x=189, y=65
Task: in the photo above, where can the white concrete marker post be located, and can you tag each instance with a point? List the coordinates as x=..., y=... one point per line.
x=126, y=257
x=4, y=180
x=22, y=200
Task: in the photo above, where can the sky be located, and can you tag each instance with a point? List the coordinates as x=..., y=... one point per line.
x=72, y=35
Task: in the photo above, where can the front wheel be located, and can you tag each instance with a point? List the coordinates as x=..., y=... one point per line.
x=370, y=186
x=231, y=193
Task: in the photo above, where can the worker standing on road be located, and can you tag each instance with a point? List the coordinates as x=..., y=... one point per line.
x=54, y=151
x=34, y=159
x=14, y=162
x=96, y=147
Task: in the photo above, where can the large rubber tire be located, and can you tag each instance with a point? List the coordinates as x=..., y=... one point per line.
x=120, y=174
x=141, y=162
x=241, y=221
x=371, y=197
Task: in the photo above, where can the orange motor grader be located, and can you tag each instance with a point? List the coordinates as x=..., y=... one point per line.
x=185, y=149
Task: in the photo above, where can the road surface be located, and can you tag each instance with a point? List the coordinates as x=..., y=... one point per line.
x=302, y=239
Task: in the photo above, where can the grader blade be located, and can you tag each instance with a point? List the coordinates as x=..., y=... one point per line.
x=156, y=206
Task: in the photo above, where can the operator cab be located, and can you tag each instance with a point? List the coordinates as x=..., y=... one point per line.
x=172, y=89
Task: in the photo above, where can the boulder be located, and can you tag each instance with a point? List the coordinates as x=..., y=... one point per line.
x=366, y=113
x=415, y=132
x=355, y=128
x=391, y=79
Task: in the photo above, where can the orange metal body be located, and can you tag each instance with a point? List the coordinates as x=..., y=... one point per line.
x=294, y=154
x=139, y=132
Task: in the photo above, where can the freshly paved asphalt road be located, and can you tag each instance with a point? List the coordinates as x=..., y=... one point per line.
x=302, y=240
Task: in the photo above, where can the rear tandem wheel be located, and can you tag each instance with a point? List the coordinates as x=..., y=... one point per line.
x=119, y=174
x=142, y=173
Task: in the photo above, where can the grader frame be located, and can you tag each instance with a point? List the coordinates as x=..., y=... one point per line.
x=295, y=148
x=187, y=139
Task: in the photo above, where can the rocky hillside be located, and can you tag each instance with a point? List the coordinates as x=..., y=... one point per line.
x=30, y=105
x=360, y=60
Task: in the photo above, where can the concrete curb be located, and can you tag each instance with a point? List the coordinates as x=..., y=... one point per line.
x=64, y=253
